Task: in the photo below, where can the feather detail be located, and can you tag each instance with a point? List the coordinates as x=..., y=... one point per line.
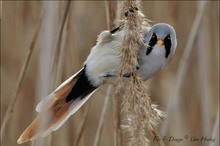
x=104, y=36
x=53, y=99
x=54, y=111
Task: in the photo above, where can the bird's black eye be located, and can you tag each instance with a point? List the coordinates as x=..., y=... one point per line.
x=153, y=35
x=152, y=42
x=168, y=37
x=167, y=43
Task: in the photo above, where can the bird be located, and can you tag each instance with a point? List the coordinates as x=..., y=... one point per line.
x=101, y=67
x=162, y=42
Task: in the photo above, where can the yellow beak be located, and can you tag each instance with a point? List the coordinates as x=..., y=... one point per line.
x=160, y=42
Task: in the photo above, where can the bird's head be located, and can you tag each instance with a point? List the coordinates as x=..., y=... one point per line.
x=162, y=36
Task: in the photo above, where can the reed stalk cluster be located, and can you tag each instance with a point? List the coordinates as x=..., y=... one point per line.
x=140, y=113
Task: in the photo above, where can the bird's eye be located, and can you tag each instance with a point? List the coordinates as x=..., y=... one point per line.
x=153, y=36
x=153, y=40
x=167, y=43
x=151, y=43
x=168, y=37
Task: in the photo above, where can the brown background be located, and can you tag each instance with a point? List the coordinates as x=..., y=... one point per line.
x=191, y=99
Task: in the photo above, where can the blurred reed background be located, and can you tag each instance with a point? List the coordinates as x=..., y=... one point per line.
x=39, y=55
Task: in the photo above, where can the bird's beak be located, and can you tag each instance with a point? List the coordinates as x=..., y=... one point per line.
x=160, y=42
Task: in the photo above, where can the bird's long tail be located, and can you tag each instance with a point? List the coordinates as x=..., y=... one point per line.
x=58, y=106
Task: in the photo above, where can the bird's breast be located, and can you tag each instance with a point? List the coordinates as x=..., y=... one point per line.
x=152, y=63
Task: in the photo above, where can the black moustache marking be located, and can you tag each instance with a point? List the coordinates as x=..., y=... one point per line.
x=81, y=88
x=167, y=43
x=152, y=43
x=149, y=49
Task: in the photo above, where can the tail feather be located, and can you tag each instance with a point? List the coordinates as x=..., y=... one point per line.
x=60, y=116
x=59, y=94
x=63, y=115
x=54, y=111
x=29, y=132
x=36, y=128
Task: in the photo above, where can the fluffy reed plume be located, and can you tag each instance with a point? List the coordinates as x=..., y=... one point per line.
x=141, y=114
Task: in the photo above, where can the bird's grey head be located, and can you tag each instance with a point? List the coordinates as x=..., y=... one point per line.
x=161, y=34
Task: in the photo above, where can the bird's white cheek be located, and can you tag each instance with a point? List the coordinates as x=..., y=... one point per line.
x=152, y=63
